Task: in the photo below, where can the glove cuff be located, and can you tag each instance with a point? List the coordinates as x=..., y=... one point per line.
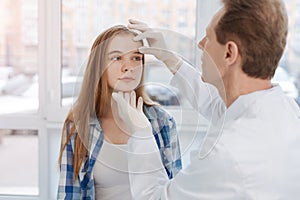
x=174, y=65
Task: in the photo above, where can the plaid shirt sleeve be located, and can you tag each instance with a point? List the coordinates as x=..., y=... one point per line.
x=175, y=153
x=170, y=150
x=165, y=133
x=67, y=188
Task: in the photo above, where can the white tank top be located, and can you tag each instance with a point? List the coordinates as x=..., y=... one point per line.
x=111, y=173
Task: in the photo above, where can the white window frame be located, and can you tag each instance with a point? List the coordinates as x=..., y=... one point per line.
x=50, y=115
x=36, y=121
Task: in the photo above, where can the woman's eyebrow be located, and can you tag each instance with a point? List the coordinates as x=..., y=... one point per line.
x=115, y=51
x=136, y=52
x=120, y=52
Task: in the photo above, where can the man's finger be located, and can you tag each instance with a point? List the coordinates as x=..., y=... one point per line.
x=135, y=21
x=140, y=104
x=148, y=35
x=137, y=25
x=133, y=99
x=127, y=97
x=121, y=94
x=157, y=52
x=118, y=98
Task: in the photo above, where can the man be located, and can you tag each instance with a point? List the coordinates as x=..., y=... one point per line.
x=252, y=149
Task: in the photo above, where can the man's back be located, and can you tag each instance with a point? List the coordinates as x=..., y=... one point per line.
x=261, y=135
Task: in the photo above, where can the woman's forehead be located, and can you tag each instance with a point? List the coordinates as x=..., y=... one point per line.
x=124, y=43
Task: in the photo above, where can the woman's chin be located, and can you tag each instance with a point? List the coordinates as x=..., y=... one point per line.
x=124, y=89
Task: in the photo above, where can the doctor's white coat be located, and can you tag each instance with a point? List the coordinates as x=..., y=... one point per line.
x=251, y=150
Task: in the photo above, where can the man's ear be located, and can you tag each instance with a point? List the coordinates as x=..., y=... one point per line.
x=232, y=53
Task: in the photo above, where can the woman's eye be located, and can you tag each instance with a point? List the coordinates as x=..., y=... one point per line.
x=116, y=58
x=137, y=58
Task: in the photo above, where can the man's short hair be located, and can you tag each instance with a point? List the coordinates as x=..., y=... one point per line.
x=259, y=28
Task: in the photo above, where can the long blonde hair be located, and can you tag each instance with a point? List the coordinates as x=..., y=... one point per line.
x=94, y=97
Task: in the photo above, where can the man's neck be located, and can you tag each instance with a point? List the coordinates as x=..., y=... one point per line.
x=242, y=85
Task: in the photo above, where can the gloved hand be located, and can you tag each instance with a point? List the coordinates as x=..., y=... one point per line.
x=132, y=113
x=157, y=45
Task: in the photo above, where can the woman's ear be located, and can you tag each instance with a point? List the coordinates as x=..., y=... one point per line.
x=232, y=53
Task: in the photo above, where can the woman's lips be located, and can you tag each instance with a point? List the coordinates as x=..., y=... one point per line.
x=127, y=79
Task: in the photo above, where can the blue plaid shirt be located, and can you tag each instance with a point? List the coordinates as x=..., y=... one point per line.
x=164, y=131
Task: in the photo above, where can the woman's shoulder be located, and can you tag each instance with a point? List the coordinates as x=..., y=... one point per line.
x=94, y=123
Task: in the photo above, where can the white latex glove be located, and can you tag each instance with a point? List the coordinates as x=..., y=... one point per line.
x=157, y=45
x=132, y=113
x=145, y=168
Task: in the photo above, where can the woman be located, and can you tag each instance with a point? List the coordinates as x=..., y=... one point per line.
x=93, y=159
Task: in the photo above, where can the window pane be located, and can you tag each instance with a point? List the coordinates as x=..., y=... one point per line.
x=288, y=74
x=19, y=165
x=18, y=56
x=82, y=21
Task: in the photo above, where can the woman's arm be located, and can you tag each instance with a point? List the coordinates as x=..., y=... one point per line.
x=172, y=153
x=166, y=137
x=67, y=188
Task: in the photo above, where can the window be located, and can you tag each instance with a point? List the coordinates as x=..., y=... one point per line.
x=18, y=57
x=21, y=128
x=290, y=61
x=19, y=155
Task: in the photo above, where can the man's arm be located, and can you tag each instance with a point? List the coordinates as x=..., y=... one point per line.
x=215, y=176
x=204, y=97
x=212, y=174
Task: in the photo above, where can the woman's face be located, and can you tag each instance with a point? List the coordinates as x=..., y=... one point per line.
x=124, y=63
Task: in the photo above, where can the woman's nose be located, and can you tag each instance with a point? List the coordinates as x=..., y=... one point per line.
x=126, y=66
